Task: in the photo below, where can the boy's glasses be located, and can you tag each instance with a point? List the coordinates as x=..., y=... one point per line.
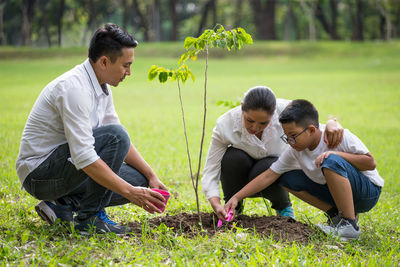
x=291, y=139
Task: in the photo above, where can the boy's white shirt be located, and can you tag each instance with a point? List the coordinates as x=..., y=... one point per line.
x=230, y=131
x=291, y=158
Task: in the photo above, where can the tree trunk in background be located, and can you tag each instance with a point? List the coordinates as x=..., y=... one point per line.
x=330, y=28
x=357, y=21
x=290, y=29
x=27, y=20
x=384, y=10
x=174, y=20
x=45, y=23
x=210, y=6
x=126, y=9
x=309, y=10
x=238, y=13
x=91, y=9
x=264, y=16
x=60, y=21
x=143, y=21
x=3, y=39
x=156, y=20
x=334, y=16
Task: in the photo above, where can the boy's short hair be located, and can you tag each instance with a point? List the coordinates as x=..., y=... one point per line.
x=109, y=40
x=300, y=111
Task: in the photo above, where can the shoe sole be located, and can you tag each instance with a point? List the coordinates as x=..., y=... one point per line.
x=46, y=213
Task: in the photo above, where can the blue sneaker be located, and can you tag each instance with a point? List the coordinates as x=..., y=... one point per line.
x=287, y=212
x=100, y=223
x=103, y=216
x=51, y=211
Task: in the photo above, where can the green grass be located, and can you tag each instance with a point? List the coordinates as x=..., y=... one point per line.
x=358, y=83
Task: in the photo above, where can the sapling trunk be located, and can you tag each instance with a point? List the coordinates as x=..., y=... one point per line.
x=233, y=39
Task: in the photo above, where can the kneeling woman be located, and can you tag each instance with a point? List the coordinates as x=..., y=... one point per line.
x=244, y=143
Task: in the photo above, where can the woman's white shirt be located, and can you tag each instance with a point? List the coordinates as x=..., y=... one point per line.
x=230, y=131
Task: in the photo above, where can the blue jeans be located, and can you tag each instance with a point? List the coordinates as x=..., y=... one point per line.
x=58, y=179
x=365, y=193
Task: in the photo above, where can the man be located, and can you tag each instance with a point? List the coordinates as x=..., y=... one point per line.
x=75, y=155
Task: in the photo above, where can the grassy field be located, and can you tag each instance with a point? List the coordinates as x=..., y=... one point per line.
x=357, y=83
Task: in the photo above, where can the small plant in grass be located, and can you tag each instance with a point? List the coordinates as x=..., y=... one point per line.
x=215, y=38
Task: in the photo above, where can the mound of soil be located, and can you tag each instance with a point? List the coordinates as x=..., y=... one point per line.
x=280, y=228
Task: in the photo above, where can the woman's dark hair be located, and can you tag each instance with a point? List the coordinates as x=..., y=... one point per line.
x=109, y=40
x=301, y=112
x=259, y=97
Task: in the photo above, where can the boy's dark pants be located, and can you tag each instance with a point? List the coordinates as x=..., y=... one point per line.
x=365, y=193
x=238, y=169
x=58, y=179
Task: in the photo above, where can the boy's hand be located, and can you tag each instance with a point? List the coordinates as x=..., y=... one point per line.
x=333, y=134
x=231, y=205
x=320, y=159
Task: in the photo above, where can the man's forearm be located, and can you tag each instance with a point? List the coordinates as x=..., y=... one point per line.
x=102, y=174
x=134, y=159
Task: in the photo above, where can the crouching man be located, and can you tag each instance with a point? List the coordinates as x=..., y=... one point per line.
x=75, y=155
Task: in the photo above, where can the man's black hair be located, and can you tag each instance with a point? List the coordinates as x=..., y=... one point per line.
x=259, y=97
x=300, y=111
x=109, y=40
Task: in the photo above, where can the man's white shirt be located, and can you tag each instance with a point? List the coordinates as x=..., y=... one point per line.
x=66, y=111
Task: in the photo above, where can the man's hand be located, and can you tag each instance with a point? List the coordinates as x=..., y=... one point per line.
x=156, y=183
x=218, y=208
x=333, y=133
x=147, y=199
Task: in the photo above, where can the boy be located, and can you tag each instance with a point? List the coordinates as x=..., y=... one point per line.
x=341, y=182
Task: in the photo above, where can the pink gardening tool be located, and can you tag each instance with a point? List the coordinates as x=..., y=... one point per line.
x=228, y=219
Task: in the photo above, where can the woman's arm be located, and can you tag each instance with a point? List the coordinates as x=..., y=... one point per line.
x=333, y=134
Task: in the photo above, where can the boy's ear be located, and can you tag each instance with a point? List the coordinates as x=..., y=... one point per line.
x=312, y=128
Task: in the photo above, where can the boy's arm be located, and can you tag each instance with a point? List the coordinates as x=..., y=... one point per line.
x=259, y=183
x=362, y=162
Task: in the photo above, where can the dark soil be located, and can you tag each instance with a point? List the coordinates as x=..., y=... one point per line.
x=280, y=228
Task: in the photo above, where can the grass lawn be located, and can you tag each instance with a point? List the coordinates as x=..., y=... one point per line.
x=357, y=83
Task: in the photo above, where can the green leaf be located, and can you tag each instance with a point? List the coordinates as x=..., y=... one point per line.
x=153, y=72
x=163, y=77
x=189, y=42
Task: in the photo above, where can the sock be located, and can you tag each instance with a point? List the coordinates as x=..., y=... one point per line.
x=332, y=212
x=352, y=222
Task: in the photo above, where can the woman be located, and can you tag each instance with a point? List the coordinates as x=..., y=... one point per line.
x=244, y=143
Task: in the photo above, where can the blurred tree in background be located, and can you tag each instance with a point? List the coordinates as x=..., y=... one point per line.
x=45, y=23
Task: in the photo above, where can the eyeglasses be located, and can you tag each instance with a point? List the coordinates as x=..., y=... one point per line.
x=291, y=139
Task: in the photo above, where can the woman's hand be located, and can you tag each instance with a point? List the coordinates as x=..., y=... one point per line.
x=333, y=133
x=218, y=208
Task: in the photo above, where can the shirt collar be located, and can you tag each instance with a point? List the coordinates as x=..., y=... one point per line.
x=95, y=83
x=237, y=119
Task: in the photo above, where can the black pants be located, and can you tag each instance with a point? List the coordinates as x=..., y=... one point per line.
x=238, y=169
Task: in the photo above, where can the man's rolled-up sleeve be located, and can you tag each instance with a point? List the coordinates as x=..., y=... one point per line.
x=75, y=107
